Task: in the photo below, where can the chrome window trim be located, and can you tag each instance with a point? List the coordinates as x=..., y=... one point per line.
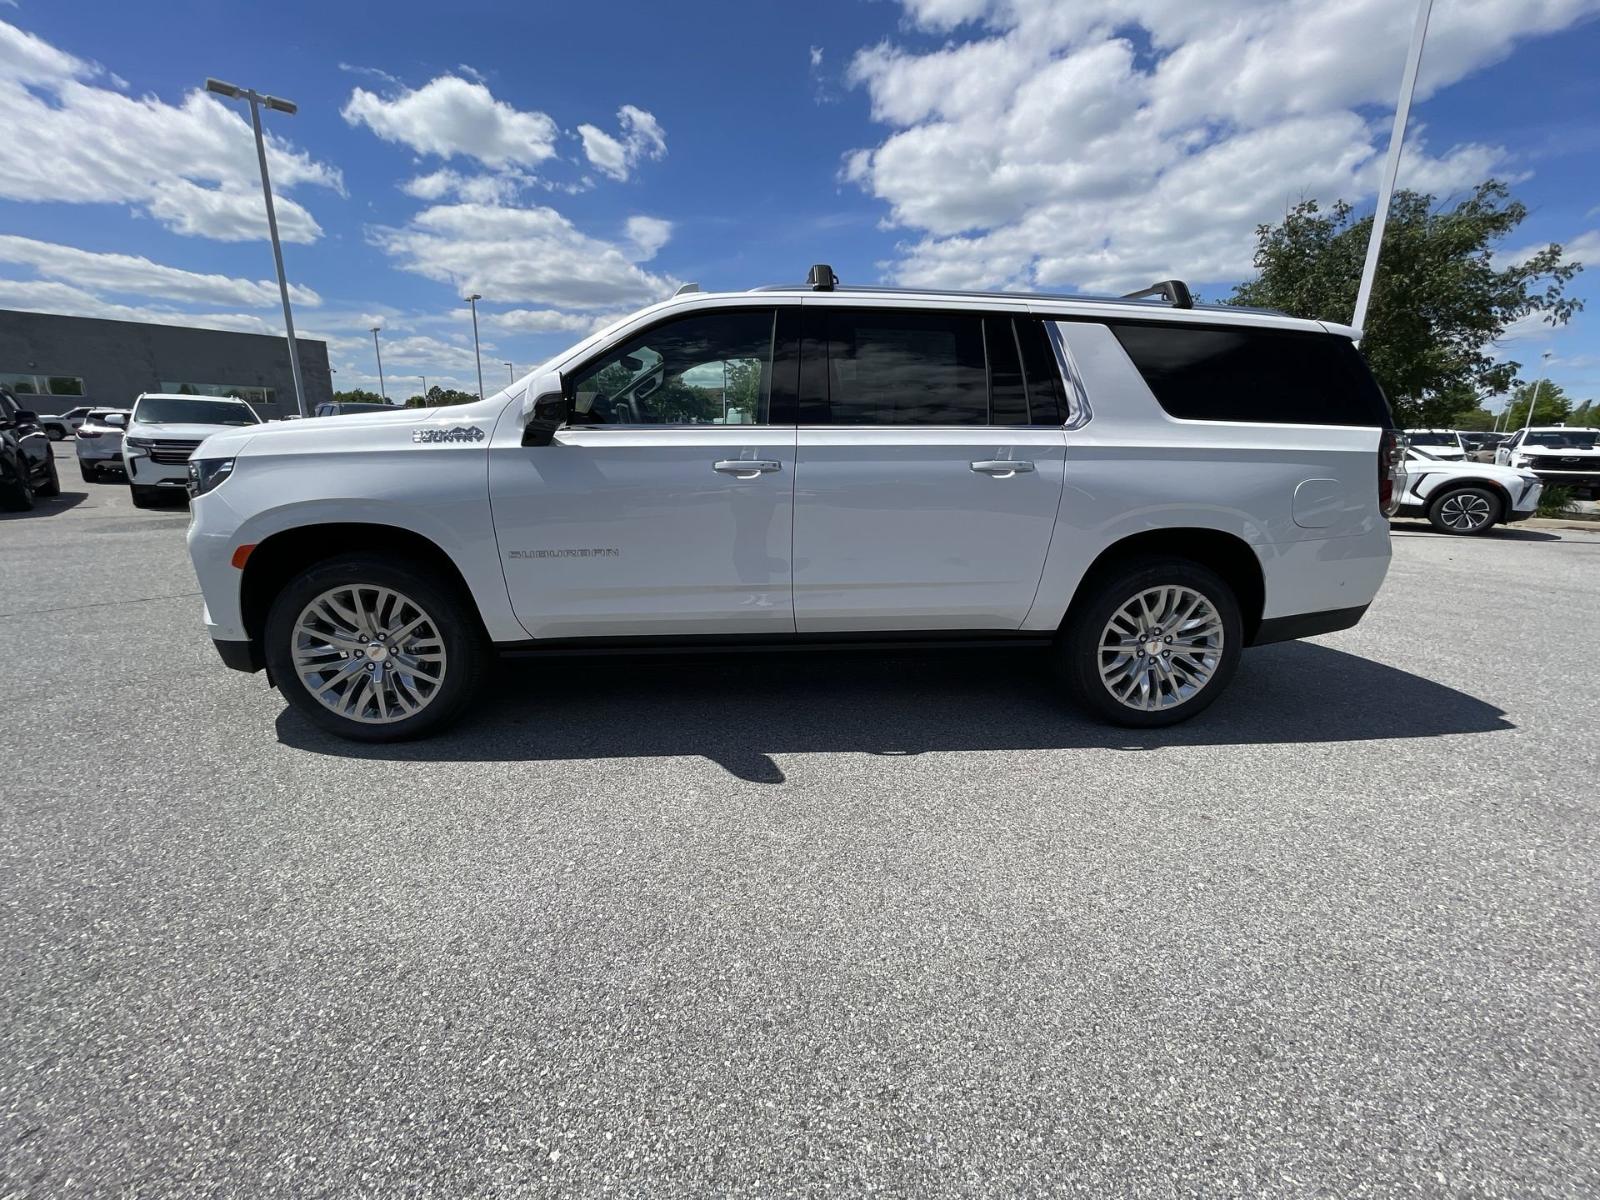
x=1079, y=413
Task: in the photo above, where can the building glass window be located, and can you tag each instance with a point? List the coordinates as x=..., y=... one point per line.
x=27, y=384
x=251, y=395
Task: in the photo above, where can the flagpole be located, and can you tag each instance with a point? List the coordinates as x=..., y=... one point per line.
x=1391, y=168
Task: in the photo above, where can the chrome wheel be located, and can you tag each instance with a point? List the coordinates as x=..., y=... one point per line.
x=1160, y=648
x=368, y=653
x=1465, y=512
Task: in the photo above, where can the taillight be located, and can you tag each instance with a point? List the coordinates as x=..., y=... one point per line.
x=1391, y=471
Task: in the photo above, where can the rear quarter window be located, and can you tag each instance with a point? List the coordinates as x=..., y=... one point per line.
x=1260, y=376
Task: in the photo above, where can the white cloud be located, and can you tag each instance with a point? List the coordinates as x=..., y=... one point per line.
x=451, y=116
x=1104, y=143
x=127, y=274
x=540, y=320
x=496, y=188
x=519, y=254
x=191, y=166
x=641, y=138
x=648, y=234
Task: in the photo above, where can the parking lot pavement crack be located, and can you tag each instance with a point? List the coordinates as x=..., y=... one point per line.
x=37, y=612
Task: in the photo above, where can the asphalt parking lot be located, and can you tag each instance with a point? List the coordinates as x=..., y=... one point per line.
x=847, y=924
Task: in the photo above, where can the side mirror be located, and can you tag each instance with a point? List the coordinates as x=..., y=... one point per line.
x=116, y=420
x=544, y=410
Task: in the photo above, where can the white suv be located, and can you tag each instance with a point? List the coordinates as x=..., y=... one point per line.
x=164, y=430
x=1141, y=490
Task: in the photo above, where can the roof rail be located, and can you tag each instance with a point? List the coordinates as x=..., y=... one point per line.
x=1174, y=291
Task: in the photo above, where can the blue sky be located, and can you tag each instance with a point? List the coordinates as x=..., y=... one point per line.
x=572, y=162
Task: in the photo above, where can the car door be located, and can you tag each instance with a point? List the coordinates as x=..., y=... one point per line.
x=929, y=470
x=665, y=504
x=1505, y=450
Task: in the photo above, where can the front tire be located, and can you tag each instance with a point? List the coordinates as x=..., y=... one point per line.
x=1466, y=511
x=1153, y=641
x=374, y=650
x=143, y=497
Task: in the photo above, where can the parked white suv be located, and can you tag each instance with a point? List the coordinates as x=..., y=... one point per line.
x=1142, y=490
x=1465, y=497
x=164, y=430
x=1561, y=455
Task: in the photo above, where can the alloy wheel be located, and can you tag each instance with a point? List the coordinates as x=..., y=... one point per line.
x=1160, y=648
x=368, y=653
x=1465, y=511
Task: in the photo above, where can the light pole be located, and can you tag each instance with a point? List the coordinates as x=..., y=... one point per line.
x=256, y=99
x=511, y=374
x=1408, y=85
x=1538, y=383
x=424, y=379
x=477, y=352
x=383, y=393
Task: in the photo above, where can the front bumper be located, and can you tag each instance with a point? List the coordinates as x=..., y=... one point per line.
x=239, y=656
x=146, y=472
x=1585, y=484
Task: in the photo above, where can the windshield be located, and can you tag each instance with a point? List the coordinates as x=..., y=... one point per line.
x=185, y=410
x=1563, y=439
x=1433, y=439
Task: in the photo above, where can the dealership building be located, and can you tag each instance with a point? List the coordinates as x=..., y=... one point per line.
x=54, y=363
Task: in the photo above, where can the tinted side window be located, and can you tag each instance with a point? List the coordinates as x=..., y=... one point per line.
x=887, y=367
x=1008, y=395
x=1039, y=365
x=1254, y=375
x=713, y=368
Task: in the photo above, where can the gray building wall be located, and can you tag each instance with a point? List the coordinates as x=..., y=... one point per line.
x=119, y=359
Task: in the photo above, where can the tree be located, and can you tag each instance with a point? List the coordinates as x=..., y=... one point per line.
x=359, y=396
x=438, y=396
x=1551, y=406
x=1587, y=413
x=1439, y=301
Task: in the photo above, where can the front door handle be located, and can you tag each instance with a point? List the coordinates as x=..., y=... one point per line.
x=746, y=468
x=1002, y=468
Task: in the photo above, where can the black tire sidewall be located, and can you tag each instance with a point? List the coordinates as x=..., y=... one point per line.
x=52, y=483
x=1496, y=505
x=458, y=625
x=1078, y=649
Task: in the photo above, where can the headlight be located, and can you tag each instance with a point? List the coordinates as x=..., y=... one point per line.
x=134, y=443
x=207, y=473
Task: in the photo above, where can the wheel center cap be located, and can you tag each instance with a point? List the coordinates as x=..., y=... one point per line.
x=1153, y=646
x=377, y=653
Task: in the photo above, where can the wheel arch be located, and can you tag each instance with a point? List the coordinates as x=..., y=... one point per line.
x=277, y=559
x=1229, y=555
x=1455, y=483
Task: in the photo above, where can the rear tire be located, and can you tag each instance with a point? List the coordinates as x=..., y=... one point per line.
x=432, y=653
x=54, y=434
x=1466, y=511
x=143, y=497
x=52, y=480
x=1151, y=642
x=89, y=474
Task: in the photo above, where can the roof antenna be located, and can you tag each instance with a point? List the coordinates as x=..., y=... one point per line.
x=821, y=278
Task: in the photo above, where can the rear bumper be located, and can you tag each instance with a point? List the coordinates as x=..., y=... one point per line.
x=1287, y=629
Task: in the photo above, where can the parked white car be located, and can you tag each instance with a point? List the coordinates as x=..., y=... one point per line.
x=1561, y=455
x=63, y=425
x=1441, y=443
x=164, y=430
x=1465, y=497
x=1140, y=490
x=99, y=441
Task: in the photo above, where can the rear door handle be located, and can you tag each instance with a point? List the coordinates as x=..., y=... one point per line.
x=746, y=468
x=1002, y=467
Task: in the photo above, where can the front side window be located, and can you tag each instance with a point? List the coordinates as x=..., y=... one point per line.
x=175, y=410
x=712, y=368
